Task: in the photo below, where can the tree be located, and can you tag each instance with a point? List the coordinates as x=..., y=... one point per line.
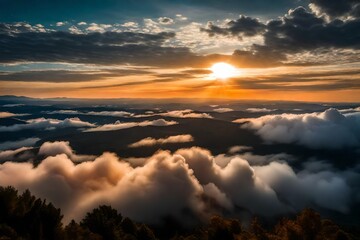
x=29, y=217
x=104, y=221
x=219, y=229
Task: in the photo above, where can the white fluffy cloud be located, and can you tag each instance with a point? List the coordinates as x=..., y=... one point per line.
x=123, y=125
x=172, y=139
x=223, y=110
x=60, y=24
x=47, y=124
x=48, y=149
x=326, y=189
x=168, y=184
x=328, y=129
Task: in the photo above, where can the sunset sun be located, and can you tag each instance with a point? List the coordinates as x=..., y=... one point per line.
x=222, y=71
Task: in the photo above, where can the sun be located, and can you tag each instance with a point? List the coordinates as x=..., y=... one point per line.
x=222, y=70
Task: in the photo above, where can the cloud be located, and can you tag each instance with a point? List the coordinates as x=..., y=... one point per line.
x=329, y=129
x=94, y=27
x=259, y=110
x=237, y=149
x=130, y=25
x=9, y=114
x=177, y=185
x=70, y=112
x=336, y=8
x=93, y=113
x=75, y=30
x=48, y=149
x=298, y=31
x=350, y=110
x=185, y=114
x=140, y=192
x=124, y=125
x=302, y=30
x=59, y=24
x=18, y=155
x=92, y=47
x=63, y=76
x=172, y=139
x=223, y=110
x=110, y=113
x=165, y=20
x=181, y=17
x=46, y=124
x=312, y=81
x=327, y=189
x=28, y=142
x=14, y=105
x=20, y=27
x=242, y=27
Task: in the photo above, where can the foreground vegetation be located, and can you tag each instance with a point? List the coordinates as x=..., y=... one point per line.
x=23, y=216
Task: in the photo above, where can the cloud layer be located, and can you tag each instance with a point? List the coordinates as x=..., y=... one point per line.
x=9, y=114
x=187, y=185
x=47, y=124
x=17, y=144
x=329, y=129
x=299, y=31
x=123, y=125
x=93, y=47
x=187, y=113
x=172, y=139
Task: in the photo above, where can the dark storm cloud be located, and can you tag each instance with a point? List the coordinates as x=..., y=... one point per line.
x=244, y=26
x=67, y=76
x=337, y=8
x=92, y=48
x=298, y=31
x=302, y=30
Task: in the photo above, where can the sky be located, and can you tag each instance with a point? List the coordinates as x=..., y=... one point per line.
x=280, y=50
